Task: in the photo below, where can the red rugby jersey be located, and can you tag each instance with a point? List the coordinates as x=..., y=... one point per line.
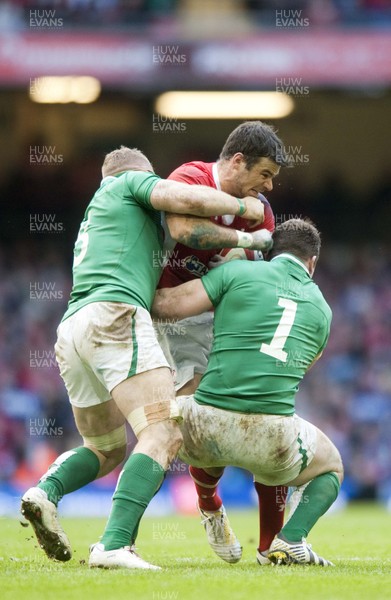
x=188, y=263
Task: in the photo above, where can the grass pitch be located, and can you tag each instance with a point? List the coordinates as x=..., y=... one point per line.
x=357, y=540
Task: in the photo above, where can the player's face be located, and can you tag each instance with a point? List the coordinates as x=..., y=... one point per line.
x=256, y=180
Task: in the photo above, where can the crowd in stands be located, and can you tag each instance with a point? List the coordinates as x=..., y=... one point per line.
x=142, y=13
x=347, y=394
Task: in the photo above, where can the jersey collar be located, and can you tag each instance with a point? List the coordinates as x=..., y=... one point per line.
x=216, y=177
x=108, y=178
x=293, y=259
x=227, y=219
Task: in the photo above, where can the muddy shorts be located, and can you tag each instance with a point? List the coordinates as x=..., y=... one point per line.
x=274, y=448
x=187, y=344
x=101, y=345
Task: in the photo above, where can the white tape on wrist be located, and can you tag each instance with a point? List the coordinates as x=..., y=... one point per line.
x=245, y=239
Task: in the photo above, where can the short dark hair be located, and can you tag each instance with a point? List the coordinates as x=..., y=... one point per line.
x=255, y=140
x=298, y=237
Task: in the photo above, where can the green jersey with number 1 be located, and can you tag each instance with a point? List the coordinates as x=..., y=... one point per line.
x=271, y=321
x=116, y=255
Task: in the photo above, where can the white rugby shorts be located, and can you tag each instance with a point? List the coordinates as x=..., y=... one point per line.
x=275, y=448
x=187, y=345
x=101, y=345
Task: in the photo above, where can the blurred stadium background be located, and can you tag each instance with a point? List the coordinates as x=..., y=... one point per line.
x=330, y=60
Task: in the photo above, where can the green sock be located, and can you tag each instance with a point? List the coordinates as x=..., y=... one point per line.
x=319, y=495
x=69, y=472
x=135, y=532
x=138, y=482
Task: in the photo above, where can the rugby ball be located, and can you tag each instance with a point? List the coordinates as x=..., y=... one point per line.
x=234, y=254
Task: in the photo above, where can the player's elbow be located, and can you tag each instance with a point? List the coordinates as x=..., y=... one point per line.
x=184, y=232
x=179, y=229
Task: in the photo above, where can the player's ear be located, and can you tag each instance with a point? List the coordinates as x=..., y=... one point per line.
x=237, y=159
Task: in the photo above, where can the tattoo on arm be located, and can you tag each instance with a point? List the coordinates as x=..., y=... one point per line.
x=206, y=235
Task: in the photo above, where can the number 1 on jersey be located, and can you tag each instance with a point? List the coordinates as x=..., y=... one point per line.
x=275, y=348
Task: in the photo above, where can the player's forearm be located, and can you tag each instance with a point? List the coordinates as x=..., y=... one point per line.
x=186, y=300
x=203, y=234
x=198, y=200
x=165, y=306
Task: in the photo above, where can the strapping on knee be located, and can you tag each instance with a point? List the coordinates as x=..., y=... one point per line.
x=142, y=417
x=108, y=441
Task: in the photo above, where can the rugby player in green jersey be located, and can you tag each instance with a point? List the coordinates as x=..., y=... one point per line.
x=113, y=368
x=271, y=324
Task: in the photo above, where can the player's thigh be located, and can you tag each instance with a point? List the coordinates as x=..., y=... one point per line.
x=190, y=387
x=99, y=419
x=85, y=389
x=327, y=458
x=97, y=347
x=118, y=341
x=147, y=400
x=149, y=387
x=208, y=434
x=103, y=430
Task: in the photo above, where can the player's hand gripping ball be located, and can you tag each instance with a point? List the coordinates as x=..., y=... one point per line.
x=228, y=254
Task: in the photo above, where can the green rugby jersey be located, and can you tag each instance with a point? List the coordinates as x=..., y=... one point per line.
x=119, y=238
x=271, y=321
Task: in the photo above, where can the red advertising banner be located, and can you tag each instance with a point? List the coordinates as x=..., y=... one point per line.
x=318, y=58
x=120, y=60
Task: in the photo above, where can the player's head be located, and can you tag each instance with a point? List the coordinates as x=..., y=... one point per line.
x=300, y=238
x=251, y=157
x=125, y=159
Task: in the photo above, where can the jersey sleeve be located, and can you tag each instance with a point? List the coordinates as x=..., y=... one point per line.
x=140, y=185
x=189, y=174
x=217, y=281
x=213, y=283
x=269, y=220
x=326, y=328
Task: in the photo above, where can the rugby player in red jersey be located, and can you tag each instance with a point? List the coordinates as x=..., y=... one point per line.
x=249, y=161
